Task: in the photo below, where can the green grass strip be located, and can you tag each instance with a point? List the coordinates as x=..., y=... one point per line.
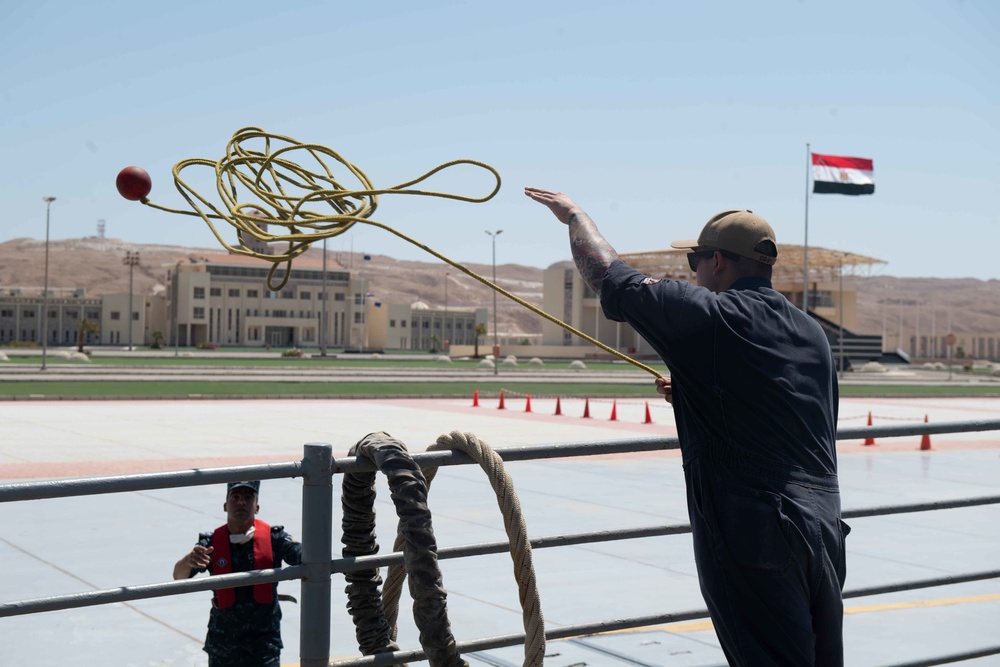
x=140, y=389
x=183, y=388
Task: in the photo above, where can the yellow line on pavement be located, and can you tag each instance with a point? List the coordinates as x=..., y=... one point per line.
x=944, y=602
x=701, y=626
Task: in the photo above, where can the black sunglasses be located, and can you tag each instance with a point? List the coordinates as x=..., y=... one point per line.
x=697, y=255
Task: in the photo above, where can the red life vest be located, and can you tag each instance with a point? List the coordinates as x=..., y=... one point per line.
x=263, y=558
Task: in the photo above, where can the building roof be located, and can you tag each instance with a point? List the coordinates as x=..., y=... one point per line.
x=230, y=259
x=824, y=263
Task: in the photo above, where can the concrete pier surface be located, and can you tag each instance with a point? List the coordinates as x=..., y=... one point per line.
x=54, y=547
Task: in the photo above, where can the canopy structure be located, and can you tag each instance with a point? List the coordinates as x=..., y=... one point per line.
x=824, y=264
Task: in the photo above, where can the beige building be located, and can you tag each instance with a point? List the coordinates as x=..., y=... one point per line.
x=21, y=320
x=832, y=299
x=114, y=318
x=224, y=299
x=417, y=326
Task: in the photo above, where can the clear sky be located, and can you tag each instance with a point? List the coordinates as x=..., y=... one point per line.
x=652, y=115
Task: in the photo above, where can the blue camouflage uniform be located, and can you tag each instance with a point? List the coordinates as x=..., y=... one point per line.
x=755, y=398
x=248, y=634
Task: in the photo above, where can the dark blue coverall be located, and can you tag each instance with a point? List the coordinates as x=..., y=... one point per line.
x=755, y=398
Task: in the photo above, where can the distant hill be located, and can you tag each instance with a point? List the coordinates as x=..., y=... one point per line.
x=96, y=264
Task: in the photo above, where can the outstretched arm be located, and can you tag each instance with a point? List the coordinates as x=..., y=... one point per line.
x=591, y=252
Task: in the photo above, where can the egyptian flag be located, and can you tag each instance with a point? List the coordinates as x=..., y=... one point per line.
x=838, y=175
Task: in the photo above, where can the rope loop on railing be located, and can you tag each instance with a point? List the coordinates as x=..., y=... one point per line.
x=408, y=490
x=517, y=534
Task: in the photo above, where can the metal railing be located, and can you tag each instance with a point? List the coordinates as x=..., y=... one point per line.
x=317, y=469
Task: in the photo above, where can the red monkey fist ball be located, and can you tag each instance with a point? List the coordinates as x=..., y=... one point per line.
x=133, y=183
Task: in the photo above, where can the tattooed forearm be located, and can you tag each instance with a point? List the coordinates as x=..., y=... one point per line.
x=591, y=252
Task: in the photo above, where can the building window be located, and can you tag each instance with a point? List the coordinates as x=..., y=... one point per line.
x=402, y=324
x=93, y=315
x=55, y=313
x=339, y=296
x=27, y=314
x=115, y=315
x=427, y=325
x=216, y=291
x=135, y=316
x=6, y=313
x=198, y=293
x=199, y=314
x=357, y=318
x=305, y=295
x=357, y=299
x=234, y=292
x=288, y=294
x=392, y=323
x=252, y=294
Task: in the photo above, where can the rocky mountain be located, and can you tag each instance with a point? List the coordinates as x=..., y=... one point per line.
x=97, y=265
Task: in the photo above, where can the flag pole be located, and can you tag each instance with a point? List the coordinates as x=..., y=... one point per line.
x=805, y=243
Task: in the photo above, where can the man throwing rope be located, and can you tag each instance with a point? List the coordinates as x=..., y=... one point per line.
x=755, y=395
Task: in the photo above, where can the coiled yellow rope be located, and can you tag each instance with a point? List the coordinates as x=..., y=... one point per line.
x=311, y=205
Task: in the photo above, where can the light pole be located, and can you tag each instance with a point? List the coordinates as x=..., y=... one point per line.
x=177, y=309
x=45, y=289
x=447, y=337
x=496, y=346
x=364, y=303
x=130, y=260
x=322, y=317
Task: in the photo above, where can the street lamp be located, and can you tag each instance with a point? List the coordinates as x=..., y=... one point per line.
x=322, y=317
x=496, y=346
x=130, y=260
x=45, y=290
x=364, y=303
x=177, y=310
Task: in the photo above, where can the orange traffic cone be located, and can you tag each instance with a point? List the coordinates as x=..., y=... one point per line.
x=586, y=408
x=558, y=407
x=614, y=411
x=925, y=440
x=527, y=404
x=501, y=406
x=475, y=398
x=869, y=441
x=649, y=418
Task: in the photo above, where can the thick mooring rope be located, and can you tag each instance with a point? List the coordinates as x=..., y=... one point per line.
x=409, y=494
x=311, y=205
x=517, y=534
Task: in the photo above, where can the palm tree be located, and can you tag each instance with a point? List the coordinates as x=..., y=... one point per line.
x=157, y=339
x=480, y=331
x=86, y=327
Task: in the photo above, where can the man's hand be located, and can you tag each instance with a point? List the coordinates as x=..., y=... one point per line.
x=197, y=559
x=561, y=205
x=665, y=387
